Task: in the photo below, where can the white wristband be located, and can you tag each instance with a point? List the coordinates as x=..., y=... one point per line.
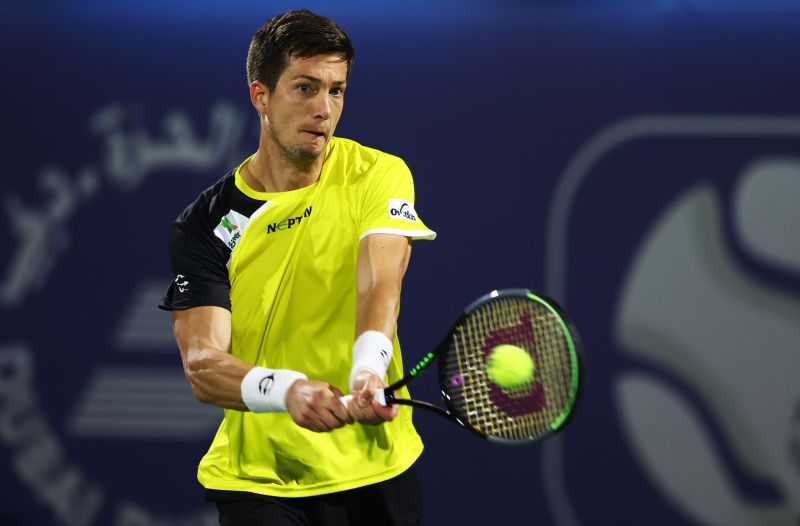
x=264, y=390
x=373, y=351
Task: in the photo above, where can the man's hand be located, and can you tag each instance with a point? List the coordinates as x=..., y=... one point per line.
x=363, y=408
x=316, y=406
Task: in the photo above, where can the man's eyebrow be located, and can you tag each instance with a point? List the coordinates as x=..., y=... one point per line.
x=319, y=81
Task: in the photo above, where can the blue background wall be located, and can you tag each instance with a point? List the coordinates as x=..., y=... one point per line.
x=640, y=161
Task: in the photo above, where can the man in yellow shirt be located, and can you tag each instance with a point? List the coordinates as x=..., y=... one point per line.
x=287, y=288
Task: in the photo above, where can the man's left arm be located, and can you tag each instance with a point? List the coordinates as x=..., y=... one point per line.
x=382, y=263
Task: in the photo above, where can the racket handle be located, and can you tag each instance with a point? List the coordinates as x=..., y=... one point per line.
x=379, y=396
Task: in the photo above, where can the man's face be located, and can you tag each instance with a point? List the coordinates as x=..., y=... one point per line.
x=302, y=113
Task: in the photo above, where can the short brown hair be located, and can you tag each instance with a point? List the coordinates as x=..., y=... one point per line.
x=296, y=33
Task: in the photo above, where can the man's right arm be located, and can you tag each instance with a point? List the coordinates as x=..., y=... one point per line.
x=204, y=339
x=215, y=375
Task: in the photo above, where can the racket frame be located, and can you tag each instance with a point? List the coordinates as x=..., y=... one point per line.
x=440, y=352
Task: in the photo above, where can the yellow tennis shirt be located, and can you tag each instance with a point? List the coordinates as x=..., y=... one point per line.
x=291, y=272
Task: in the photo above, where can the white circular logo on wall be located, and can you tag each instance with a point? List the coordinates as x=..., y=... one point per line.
x=702, y=348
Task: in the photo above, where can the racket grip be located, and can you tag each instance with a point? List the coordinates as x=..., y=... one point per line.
x=379, y=396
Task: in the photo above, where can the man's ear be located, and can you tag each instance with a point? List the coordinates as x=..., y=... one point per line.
x=259, y=96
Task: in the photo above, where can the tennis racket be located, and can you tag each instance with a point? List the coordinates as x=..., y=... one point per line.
x=517, y=415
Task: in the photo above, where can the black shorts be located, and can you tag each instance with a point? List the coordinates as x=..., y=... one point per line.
x=395, y=502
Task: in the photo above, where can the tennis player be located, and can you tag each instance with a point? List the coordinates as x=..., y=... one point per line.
x=286, y=293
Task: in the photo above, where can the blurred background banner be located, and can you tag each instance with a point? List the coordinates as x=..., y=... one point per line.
x=637, y=160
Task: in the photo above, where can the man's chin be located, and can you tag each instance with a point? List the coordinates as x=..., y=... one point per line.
x=306, y=153
x=310, y=154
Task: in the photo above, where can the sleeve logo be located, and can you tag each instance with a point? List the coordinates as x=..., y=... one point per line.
x=183, y=286
x=399, y=209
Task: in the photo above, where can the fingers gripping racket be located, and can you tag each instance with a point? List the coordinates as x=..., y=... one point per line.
x=512, y=337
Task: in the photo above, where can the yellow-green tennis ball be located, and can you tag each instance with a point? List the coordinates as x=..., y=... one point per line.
x=510, y=366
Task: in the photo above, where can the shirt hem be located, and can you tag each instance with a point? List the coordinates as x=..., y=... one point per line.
x=312, y=490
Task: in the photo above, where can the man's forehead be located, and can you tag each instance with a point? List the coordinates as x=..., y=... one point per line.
x=296, y=63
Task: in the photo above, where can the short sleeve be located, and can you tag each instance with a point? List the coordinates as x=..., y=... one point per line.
x=387, y=202
x=199, y=265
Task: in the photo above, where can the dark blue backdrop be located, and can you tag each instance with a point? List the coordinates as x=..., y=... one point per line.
x=640, y=161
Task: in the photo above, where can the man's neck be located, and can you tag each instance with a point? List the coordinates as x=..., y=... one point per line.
x=270, y=171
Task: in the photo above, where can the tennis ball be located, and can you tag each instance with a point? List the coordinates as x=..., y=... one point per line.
x=510, y=366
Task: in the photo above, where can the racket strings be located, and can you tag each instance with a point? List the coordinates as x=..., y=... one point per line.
x=519, y=413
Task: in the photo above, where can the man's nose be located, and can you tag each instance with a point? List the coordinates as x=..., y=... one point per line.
x=322, y=106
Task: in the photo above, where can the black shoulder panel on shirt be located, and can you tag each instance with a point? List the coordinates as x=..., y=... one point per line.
x=199, y=258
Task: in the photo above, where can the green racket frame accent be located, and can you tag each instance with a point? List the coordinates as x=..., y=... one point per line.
x=569, y=332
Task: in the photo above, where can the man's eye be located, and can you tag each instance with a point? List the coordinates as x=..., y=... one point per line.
x=337, y=92
x=304, y=88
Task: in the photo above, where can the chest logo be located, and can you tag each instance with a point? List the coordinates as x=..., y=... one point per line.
x=227, y=225
x=230, y=228
x=288, y=223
